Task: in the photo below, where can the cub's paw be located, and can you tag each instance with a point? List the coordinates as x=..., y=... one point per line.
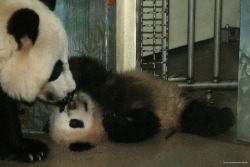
x=27, y=150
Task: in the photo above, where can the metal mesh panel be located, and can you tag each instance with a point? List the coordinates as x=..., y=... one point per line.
x=152, y=34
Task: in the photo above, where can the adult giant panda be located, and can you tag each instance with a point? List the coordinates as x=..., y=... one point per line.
x=33, y=63
x=134, y=106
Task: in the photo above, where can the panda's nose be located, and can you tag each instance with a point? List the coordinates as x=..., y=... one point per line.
x=66, y=100
x=70, y=96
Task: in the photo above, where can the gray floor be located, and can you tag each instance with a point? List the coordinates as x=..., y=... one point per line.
x=180, y=149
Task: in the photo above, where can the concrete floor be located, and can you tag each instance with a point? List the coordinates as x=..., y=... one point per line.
x=180, y=149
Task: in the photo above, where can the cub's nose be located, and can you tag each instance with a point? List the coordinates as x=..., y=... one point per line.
x=75, y=123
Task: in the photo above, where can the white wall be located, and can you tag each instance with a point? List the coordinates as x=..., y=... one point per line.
x=125, y=34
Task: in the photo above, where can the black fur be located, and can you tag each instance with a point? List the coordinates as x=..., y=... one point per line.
x=128, y=111
x=116, y=95
x=12, y=144
x=88, y=74
x=58, y=68
x=79, y=146
x=75, y=123
x=200, y=119
x=128, y=106
x=50, y=3
x=24, y=22
x=136, y=126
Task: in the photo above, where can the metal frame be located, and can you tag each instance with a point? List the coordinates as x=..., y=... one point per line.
x=164, y=35
x=215, y=83
x=217, y=30
x=191, y=31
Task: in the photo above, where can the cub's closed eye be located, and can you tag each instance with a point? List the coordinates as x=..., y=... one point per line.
x=58, y=68
x=72, y=105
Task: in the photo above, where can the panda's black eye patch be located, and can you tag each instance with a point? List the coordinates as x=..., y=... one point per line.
x=58, y=68
x=75, y=123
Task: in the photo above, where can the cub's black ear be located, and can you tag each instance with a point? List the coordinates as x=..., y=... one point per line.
x=50, y=3
x=24, y=22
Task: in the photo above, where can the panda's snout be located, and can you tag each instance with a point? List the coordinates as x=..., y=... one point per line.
x=70, y=96
x=65, y=101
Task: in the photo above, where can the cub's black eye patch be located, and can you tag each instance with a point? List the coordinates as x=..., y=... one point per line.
x=58, y=68
x=75, y=123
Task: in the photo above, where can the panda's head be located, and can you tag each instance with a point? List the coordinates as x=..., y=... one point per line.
x=33, y=51
x=81, y=121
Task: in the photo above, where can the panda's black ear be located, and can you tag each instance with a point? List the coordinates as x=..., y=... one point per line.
x=23, y=23
x=50, y=3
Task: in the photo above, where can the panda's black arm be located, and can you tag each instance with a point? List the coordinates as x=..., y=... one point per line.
x=80, y=146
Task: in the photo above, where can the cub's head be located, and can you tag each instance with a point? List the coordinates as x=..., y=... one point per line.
x=33, y=51
x=79, y=121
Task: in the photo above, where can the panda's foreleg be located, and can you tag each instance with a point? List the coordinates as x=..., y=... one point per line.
x=12, y=144
x=80, y=146
x=200, y=119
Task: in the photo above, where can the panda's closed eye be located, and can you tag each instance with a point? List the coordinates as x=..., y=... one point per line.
x=58, y=68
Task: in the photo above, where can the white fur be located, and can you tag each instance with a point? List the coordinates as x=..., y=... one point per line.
x=62, y=133
x=59, y=87
x=23, y=73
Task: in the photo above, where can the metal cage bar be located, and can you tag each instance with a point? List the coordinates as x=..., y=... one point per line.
x=152, y=35
x=144, y=47
x=138, y=33
x=191, y=30
x=164, y=44
x=217, y=27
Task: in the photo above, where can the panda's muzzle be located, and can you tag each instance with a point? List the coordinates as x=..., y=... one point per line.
x=62, y=103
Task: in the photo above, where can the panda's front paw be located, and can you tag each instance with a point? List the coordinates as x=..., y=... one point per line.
x=79, y=147
x=27, y=150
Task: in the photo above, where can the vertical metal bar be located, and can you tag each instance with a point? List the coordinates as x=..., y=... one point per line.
x=217, y=26
x=164, y=40
x=154, y=34
x=138, y=32
x=141, y=31
x=106, y=38
x=191, y=30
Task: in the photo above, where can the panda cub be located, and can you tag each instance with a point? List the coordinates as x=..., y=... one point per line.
x=135, y=106
x=79, y=125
